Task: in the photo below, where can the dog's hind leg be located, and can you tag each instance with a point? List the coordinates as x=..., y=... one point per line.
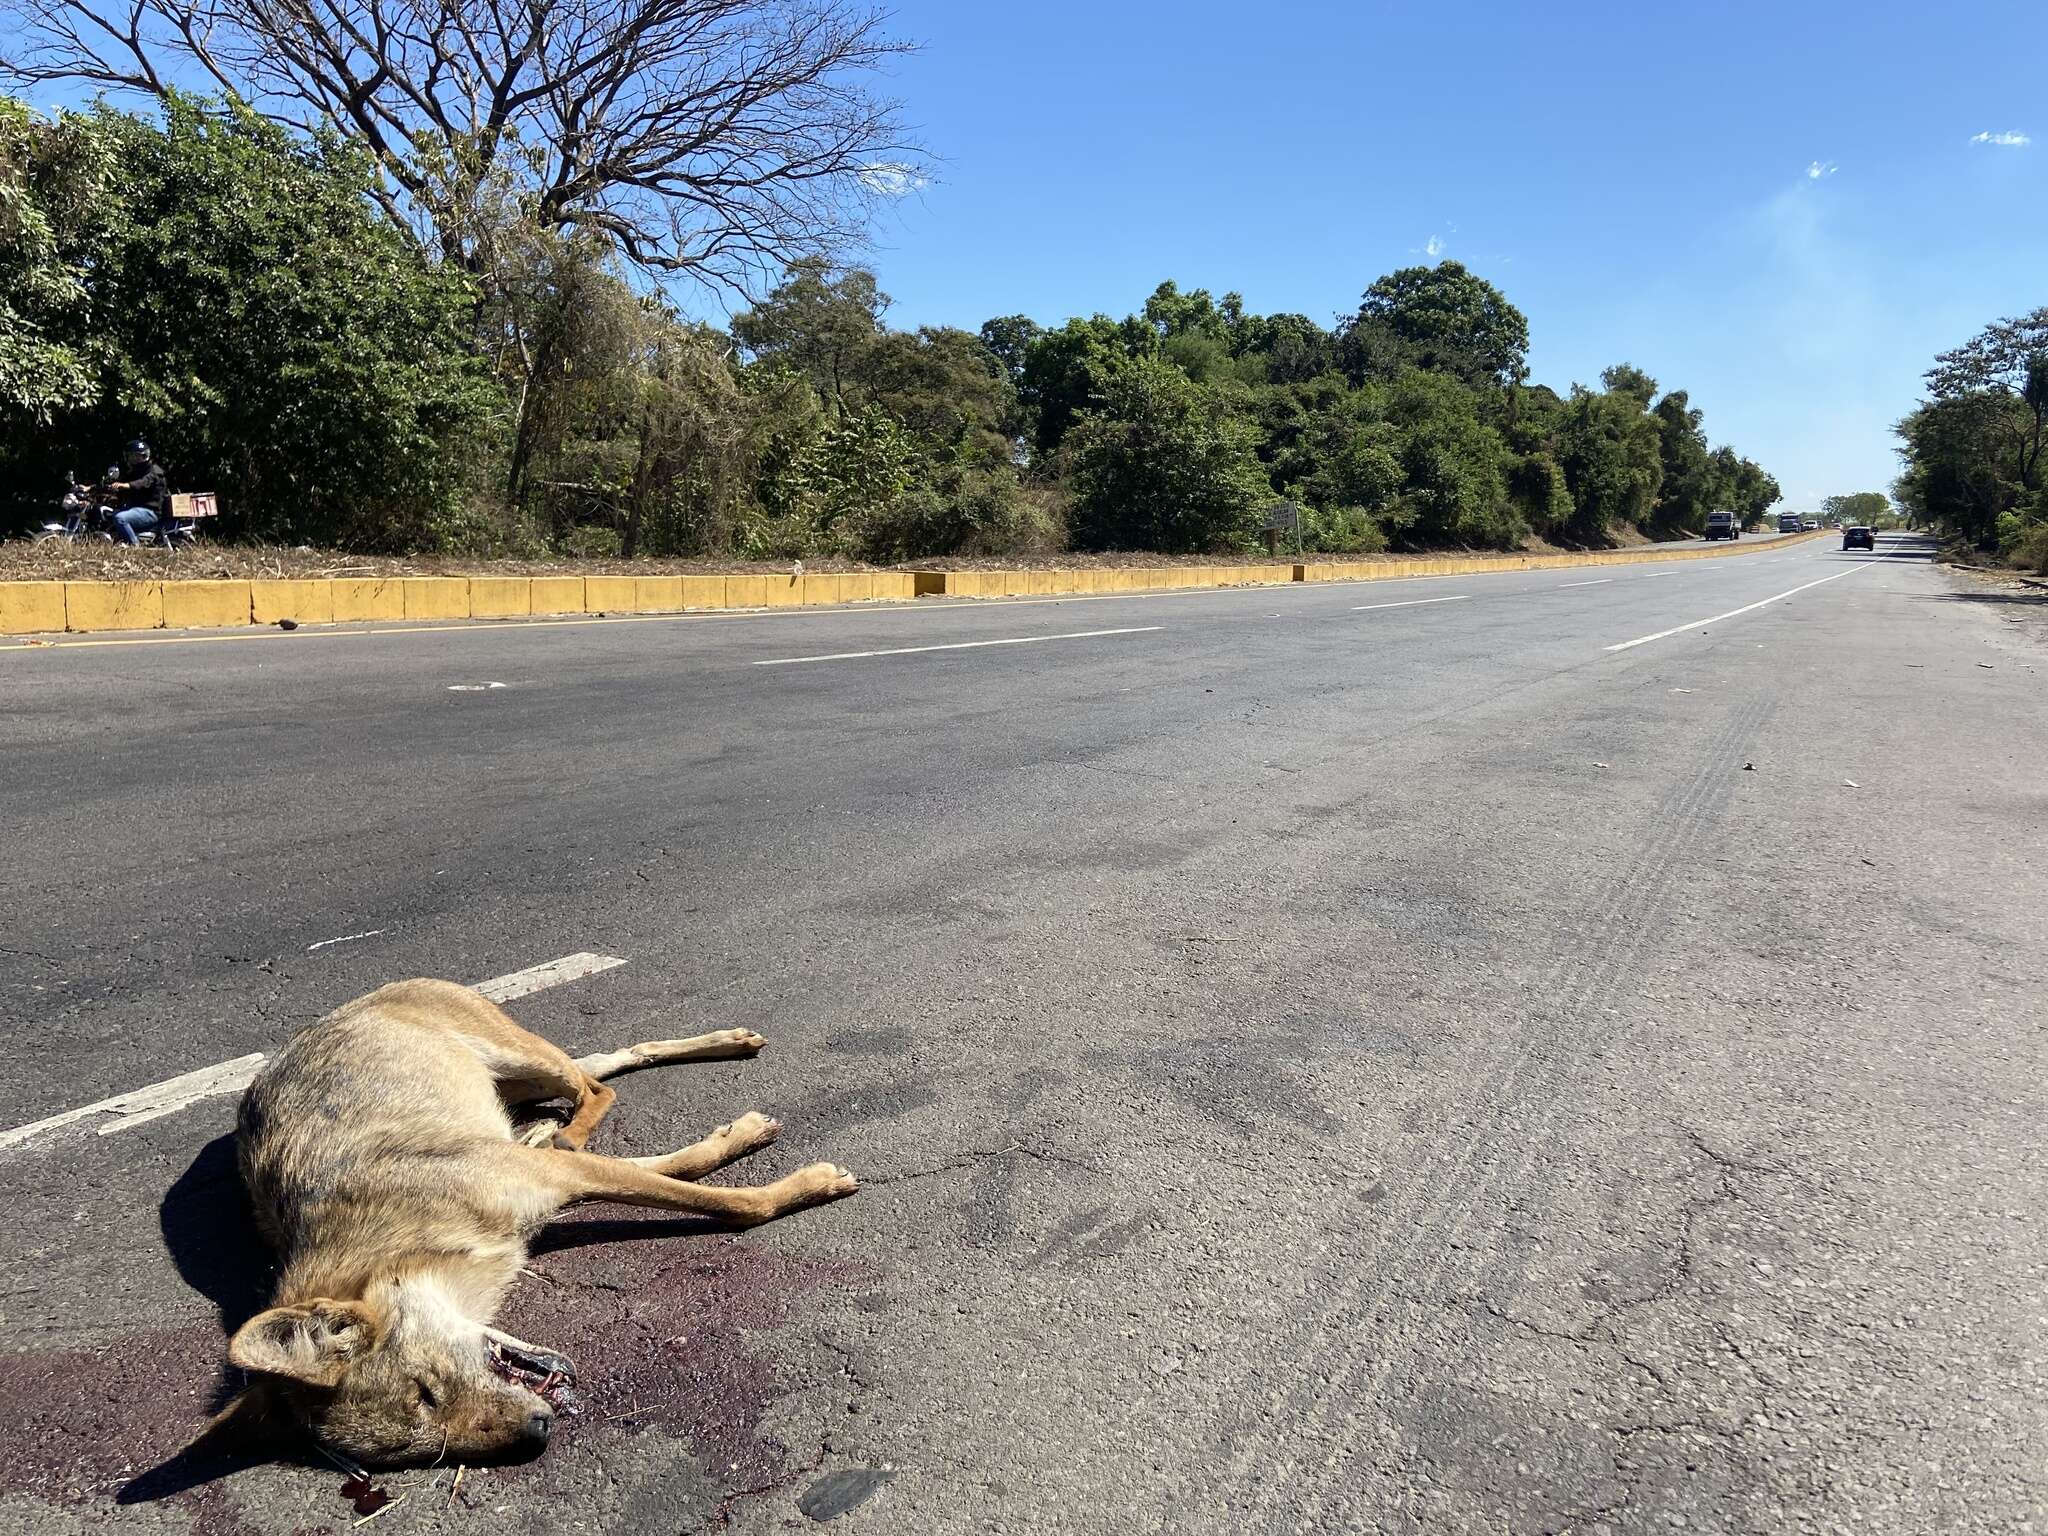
x=720, y=1045
x=575, y=1178
x=526, y=1068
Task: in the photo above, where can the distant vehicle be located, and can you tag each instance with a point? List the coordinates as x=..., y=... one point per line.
x=1860, y=538
x=1788, y=523
x=1812, y=525
x=1722, y=525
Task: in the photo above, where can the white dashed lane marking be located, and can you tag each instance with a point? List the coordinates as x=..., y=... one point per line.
x=959, y=645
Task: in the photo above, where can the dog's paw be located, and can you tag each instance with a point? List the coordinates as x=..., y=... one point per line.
x=539, y=1134
x=821, y=1182
x=741, y=1042
x=751, y=1131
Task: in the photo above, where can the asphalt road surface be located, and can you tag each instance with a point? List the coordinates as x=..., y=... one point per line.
x=1393, y=1057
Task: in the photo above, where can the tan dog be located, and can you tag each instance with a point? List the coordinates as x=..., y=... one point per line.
x=382, y=1162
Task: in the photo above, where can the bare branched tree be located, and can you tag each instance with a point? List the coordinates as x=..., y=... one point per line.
x=714, y=138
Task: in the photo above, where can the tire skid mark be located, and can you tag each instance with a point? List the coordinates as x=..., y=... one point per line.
x=1525, y=1073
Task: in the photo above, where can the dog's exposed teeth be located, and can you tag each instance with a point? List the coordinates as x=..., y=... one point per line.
x=539, y=1362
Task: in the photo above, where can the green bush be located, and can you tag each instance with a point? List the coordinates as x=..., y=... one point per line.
x=1158, y=465
x=276, y=339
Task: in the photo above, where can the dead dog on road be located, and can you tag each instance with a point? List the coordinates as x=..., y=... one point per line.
x=380, y=1155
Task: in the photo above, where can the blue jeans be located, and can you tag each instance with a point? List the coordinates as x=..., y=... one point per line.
x=133, y=521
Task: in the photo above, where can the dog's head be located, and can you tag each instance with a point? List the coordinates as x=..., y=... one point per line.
x=382, y=1386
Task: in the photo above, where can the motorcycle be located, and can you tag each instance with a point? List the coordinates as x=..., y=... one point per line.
x=88, y=517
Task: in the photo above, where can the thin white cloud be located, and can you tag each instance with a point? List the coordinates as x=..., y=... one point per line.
x=1434, y=248
x=2002, y=140
x=891, y=179
x=1820, y=169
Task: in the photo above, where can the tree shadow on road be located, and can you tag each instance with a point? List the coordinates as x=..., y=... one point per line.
x=2033, y=597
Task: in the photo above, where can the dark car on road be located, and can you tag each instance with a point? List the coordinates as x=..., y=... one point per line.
x=1722, y=525
x=1859, y=538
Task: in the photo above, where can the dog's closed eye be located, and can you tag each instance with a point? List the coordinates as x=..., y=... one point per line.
x=427, y=1398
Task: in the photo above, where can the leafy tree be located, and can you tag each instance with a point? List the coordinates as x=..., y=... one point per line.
x=1156, y=465
x=1542, y=494
x=276, y=340
x=1454, y=466
x=1172, y=313
x=1690, y=486
x=1628, y=379
x=2008, y=360
x=1066, y=369
x=1957, y=453
x=1292, y=348
x=1865, y=507
x=1008, y=339
x=53, y=175
x=821, y=320
x=1751, y=492
x=1610, y=451
x=1444, y=319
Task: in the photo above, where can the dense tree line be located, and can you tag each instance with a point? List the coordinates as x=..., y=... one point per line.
x=242, y=293
x=1973, y=449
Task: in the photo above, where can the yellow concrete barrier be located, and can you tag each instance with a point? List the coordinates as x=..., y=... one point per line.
x=607, y=594
x=206, y=604
x=746, y=591
x=821, y=588
x=657, y=594
x=500, y=597
x=91, y=605
x=363, y=599
x=555, y=594
x=303, y=602
x=703, y=591
x=27, y=607
x=436, y=597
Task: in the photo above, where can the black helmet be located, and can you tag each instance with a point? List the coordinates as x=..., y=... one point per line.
x=136, y=452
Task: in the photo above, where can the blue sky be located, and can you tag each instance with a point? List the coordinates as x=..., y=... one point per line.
x=1777, y=207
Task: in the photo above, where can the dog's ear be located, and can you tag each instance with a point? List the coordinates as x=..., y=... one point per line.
x=313, y=1342
x=249, y=1425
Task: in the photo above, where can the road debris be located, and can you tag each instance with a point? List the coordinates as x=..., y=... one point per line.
x=836, y=1492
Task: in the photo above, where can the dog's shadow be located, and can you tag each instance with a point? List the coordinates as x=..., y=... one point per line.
x=212, y=1239
x=211, y=1235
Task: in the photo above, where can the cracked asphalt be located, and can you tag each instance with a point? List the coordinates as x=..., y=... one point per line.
x=1313, y=1067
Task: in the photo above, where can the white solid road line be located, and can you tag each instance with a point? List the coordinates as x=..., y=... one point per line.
x=1600, y=583
x=1413, y=602
x=960, y=645
x=538, y=978
x=139, y=1106
x=151, y=1102
x=1665, y=634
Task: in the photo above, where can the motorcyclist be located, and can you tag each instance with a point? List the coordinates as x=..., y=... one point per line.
x=142, y=494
